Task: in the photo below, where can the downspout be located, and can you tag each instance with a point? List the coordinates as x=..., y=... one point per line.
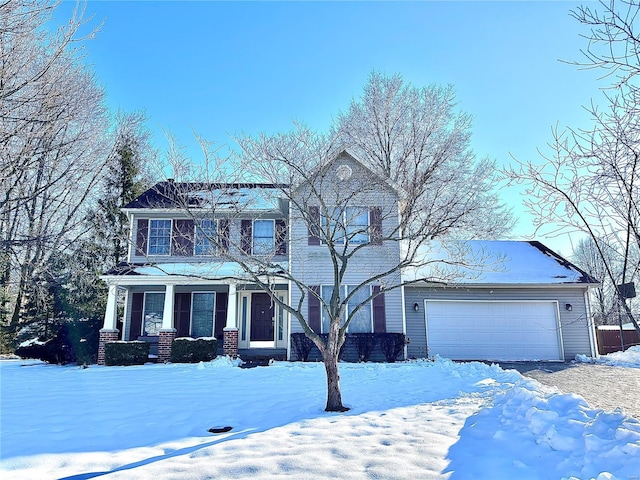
x=591, y=326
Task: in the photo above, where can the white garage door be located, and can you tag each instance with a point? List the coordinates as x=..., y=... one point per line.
x=470, y=330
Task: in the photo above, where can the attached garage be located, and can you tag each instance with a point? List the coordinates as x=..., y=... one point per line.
x=494, y=330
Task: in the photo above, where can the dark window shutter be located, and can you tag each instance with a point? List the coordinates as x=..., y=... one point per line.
x=314, y=225
x=281, y=237
x=223, y=234
x=142, y=232
x=379, y=314
x=314, y=308
x=182, y=313
x=135, y=327
x=375, y=225
x=246, y=227
x=222, y=300
x=182, y=244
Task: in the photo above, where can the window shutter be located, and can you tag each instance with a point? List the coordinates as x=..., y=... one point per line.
x=223, y=234
x=379, y=314
x=314, y=308
x=281, y=237
x=135, y=327
x=182, y=233
x=375, y=225
x=182, y=313
x=222, y=300
x=246, y=236
x=314, y=225
x=142, y=232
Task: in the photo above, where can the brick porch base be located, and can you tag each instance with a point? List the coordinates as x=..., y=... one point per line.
x=106, y=335
x=230, y=342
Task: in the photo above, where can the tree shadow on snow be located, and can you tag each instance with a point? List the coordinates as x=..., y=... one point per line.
x=157, y=458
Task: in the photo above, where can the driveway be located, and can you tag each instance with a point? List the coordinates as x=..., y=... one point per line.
x=602, y=386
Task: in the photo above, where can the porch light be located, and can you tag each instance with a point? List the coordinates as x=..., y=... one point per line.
x=416, y=307
x=568, y=307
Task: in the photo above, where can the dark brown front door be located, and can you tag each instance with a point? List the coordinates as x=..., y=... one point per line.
x=261, y=318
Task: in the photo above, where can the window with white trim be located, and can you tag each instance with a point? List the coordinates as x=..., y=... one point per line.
x=263, y=237
x=362, y=321
x=152, y=315
x=206, y=231
x=351, y=223
x=202, y=314
x=159, y=237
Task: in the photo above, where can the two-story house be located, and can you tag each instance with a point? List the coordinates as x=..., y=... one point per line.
x=192, y=244
x=207, y=259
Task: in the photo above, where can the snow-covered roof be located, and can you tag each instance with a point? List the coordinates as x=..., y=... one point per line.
x=179, y=195
x=493, y=262
x=204, y=270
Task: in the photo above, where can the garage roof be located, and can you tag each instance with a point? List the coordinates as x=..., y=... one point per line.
x=493, y=262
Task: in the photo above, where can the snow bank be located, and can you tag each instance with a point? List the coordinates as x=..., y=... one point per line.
x=530, y=434
x=628, y=358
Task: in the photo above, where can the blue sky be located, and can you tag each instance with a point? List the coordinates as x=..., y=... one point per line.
x=221, y=68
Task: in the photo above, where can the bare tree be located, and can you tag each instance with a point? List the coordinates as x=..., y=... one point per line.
x=53, y=145
x=588, y=257
x=415, y=137
x=349, y=213
x=590, y=181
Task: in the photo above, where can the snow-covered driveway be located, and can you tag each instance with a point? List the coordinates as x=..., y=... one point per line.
x=409, y=420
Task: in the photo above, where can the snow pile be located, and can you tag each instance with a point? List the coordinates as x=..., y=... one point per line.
x=532, y=434
x=628, y=358
x=421, y=419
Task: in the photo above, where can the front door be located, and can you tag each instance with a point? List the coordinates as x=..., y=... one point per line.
x=261, y=318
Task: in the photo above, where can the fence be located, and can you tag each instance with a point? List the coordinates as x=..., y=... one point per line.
x=609, y=339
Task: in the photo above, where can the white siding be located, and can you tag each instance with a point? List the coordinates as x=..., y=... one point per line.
x=312, y=264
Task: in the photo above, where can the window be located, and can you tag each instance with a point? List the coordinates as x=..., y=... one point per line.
x=152, y=316
x=206, y=231
x=263, y=237
x=159, y=237
x=362, y=319
x=202, y=314
x=357, y=224
x=351, y=223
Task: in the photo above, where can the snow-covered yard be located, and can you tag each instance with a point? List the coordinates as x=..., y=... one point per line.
x=408, y=420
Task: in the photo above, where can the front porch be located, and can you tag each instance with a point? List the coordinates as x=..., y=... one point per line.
x=245, y=319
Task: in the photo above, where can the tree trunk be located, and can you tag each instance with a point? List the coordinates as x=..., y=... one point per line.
x=334, y=396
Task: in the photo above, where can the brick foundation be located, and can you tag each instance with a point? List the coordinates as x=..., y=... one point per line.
x=165, y=339
x=230, y=342
x=106, y=335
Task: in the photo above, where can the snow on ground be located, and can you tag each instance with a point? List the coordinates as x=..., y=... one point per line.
x=628, y=358
x=408, y=420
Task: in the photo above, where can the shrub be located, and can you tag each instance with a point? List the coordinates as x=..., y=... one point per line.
x=74, y=340
x=365, y=343
x=126, y=353
x=188, y=350
x=302, y=345
x=391, y=345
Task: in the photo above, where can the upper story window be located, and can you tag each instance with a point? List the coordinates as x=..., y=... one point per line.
x=263, y=237
x=206, y=231
x=159, y=237
x=351, y=223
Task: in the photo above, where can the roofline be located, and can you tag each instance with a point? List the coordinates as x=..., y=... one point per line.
x=422, y=284
x=563, y=261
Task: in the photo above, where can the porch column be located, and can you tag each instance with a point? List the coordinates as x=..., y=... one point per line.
x=109, y=332
x=230, y=332
x=167, y=332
